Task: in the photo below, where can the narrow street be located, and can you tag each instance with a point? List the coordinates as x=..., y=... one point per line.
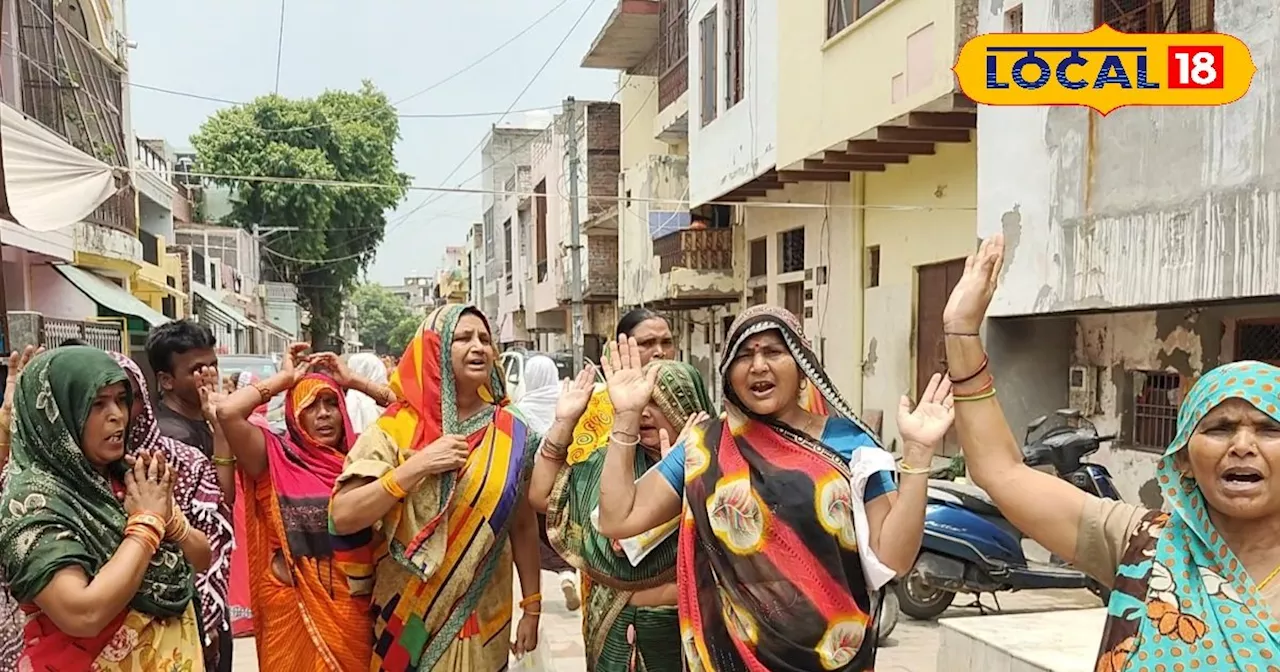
x=913, y=647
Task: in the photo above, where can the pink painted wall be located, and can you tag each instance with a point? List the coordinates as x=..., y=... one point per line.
x=55, y=296
x=548, y=164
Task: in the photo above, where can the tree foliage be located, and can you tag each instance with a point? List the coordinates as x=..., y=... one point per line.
x=338, y=136
x=403, y=333
x=378, y=314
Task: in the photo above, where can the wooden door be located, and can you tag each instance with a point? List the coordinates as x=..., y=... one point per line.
x=933, y=286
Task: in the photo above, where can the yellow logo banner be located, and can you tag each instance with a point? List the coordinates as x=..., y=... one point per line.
x=1104, y=69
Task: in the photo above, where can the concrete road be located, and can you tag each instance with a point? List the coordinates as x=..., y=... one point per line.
x=913, y=647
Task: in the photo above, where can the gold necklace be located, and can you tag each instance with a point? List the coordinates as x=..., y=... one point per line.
x=1274, y=573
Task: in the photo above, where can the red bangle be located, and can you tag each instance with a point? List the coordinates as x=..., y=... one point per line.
x=981, y=367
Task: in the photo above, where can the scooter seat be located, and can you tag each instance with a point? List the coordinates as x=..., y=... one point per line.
x=974, y=498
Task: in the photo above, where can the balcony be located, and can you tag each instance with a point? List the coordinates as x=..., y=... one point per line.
x=599, y=271
x=68, y=85
x=695, y=270
x=155, y=179
x=673, y=52
x=29, y=328
x=627, y=37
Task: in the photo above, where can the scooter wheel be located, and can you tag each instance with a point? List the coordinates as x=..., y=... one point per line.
x=919, y=600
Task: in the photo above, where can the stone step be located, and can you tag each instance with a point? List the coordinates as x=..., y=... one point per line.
x=1062, y=641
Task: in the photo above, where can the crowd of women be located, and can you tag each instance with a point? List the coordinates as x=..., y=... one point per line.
x=384, y=526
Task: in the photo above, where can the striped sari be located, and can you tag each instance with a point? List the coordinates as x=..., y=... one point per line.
x=620, y=637
x=442, y=595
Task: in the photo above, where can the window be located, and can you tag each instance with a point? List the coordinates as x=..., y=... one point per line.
x=759, y=260
x=709, y=55
x=793, y=298
x=1258, y=340
x=734, y=59
x=791, y=251
x=1013, y=20
x=488, y=235
x=508, y=254
x=873, y=266
x=842, y=13
x=1155, y=16
x=540, y=228
x=1153, y=408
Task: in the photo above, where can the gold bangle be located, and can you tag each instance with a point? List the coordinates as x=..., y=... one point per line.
x=536, y=597
x=392, y=486
x=532, y=612
x=264, y=395
x=221, y=461
x=977, y=397
x=912, y=471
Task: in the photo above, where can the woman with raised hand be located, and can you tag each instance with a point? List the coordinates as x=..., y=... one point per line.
x=11, y=619
x=783, y=552
x=538, y=406
x=89, y=539
x=444, y=476
x=630, y=621
x=309, y=587
x=1193, y=586
x=199, y=499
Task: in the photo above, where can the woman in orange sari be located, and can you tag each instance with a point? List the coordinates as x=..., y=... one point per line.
x=444, y=474
x=309, y=588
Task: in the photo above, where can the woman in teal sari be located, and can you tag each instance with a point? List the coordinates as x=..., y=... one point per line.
x=630, y=620
x=1192, y=589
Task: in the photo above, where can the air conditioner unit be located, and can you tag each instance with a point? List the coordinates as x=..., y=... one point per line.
x=1082, y=389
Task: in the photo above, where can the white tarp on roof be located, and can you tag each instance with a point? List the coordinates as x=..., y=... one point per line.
x=49, y=183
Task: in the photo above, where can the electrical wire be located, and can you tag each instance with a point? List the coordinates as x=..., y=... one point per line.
x=280, y=47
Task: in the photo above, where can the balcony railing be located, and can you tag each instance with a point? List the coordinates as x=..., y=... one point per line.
x=118, y=212
x=695, y=249
x=29, y=328
x=151, y=160
x=673, y=51
x=68, y=85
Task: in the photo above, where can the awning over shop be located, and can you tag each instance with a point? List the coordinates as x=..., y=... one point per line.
x=209, y=296
x=49, y=184
x=109, y=295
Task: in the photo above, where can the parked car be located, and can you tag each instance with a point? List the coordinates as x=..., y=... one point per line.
x=513, y=366
x=261, y=367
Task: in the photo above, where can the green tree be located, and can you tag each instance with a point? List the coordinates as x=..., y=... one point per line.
x=331, y=232
x=378, y=313
x=404, y=333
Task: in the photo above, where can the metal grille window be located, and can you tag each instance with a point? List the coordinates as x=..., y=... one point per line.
x=1153, y=412
x=759, y=259
x=873, y=266
x=791, y=251
x=709, y=55
x=1259, y=341
x=1155, y=16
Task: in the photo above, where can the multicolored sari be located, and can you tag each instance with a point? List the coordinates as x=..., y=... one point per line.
x=320, y=619
x=769, y=574
x=442, y=595
x=1182, y=600
x=197, y=493
x=57, y=511
x=621, y=637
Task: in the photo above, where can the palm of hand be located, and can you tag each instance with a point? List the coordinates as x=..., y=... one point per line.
x=926, y=425
x=629, y=389
x=572, y=403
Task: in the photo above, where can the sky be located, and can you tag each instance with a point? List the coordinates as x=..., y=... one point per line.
x=227, y=50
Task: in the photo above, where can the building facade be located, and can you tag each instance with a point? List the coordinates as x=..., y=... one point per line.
x=1139, y=246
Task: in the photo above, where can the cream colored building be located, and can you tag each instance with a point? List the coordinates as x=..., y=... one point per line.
x=861, y=226
x=672, y=258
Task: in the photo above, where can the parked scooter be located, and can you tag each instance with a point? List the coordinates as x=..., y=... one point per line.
x=969, y=547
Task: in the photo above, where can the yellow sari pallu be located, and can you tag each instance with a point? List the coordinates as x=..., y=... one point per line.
x=442, y=594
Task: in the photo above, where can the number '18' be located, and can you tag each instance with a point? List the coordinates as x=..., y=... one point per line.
x=1195, y=67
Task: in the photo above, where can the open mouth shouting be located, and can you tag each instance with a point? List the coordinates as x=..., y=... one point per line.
x=115, y=441
x=1242, y=480
x=762, y=389
x=476, y=363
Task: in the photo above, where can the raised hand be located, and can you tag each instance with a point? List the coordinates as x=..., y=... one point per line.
x=447, y=453
x=693, y=421
x=295, y=363
x=967, y=306
x=928, y=422
x=334, y=366
x=629, y=386
x=576, y=394
x=148, y=485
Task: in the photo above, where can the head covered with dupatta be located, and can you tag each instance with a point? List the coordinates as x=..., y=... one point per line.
x=57, y=510
x=1195, y=605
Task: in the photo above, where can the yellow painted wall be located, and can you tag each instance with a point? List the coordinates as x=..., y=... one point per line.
x=907, y=239
x=832, y=239
x=832, y=90
x=638, y=103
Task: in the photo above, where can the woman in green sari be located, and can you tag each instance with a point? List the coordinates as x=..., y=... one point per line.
x=630, y=621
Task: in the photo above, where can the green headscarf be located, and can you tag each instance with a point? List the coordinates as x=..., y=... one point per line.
x=56, y=511
x=679, y=391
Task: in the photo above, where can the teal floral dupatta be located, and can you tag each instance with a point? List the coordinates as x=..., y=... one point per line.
x=1182, y=600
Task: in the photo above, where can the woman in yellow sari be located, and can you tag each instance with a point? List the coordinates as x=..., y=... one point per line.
x=444, y=475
